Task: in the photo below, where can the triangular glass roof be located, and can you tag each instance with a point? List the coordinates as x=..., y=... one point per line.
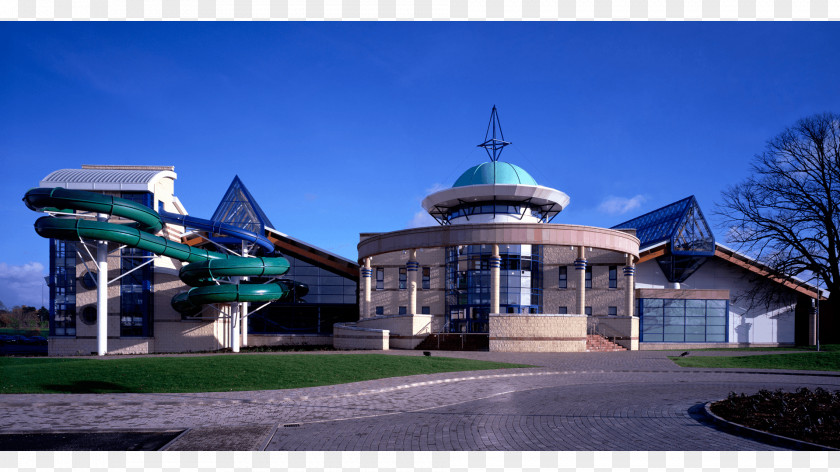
x=682, y=223
x=238, y=208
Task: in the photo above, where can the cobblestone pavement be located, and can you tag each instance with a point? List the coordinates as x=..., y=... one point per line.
x=577, y=401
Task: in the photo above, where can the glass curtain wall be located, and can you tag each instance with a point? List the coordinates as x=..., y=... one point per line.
x=331, y=299
x=665, y=320
x=62, y=288
x=468, y=284
x=136, y=288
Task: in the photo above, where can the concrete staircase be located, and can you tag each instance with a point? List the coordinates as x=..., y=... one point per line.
x=598, y=343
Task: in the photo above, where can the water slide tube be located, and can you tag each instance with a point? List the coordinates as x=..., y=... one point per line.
x=217, y=228
x=205, y=270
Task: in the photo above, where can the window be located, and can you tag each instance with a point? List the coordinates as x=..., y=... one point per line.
x=563, y=310
x=665, y=320
x=588, y=311
x=588, y=277
x=380, y=310
x=403, y=310
x=135, y=293
x=402, y=278
x=425, y=310
x=613, y=277
x=380, y=278
x=612, y=311
x=62, y=288
x=564, y=276
x=89, y=315
x=427, y=277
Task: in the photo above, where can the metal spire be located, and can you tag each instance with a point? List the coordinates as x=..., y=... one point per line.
x=493, y=143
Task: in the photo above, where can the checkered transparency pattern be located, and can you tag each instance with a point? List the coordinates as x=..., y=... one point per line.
x=622, y=461
x=419, y=9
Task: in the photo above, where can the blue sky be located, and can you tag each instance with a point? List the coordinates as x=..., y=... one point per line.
x=342, y=128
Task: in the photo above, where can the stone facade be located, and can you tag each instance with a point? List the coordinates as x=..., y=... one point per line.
x=350, y=336
x=538, y=333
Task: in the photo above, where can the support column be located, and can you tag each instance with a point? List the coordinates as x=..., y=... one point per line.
x=243, y=310
x=102, y=293
x=234, y=321
x=495, y=270
x=630, y=290
x=243, y=307
x=364, y=306
x=411, y=268
x=580, y=267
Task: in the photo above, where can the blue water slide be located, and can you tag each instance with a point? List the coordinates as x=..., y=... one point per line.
x=217, y=227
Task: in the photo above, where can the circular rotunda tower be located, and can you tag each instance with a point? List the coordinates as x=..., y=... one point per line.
x=496, y=267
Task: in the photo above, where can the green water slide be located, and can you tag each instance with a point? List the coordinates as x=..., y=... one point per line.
x=208, y=272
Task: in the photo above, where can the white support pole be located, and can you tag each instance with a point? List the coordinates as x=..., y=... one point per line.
x=234, y=322
x=102, y=294
x=243, y=308
x=244, y=317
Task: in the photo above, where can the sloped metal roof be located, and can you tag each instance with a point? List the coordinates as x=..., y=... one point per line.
x=131, y=178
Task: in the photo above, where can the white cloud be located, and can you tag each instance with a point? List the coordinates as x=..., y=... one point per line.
x=22, y=285
x=620, y=205
x=436, y=187
x=422, y=218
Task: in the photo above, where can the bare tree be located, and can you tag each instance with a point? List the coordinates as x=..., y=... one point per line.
x=786, y=214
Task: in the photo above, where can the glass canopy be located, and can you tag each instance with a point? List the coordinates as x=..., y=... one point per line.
x=682, y=225
x=238, y=208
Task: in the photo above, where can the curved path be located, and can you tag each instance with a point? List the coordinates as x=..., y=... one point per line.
x=577, y=401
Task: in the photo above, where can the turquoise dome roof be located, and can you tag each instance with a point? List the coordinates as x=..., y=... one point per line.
x=504, y=173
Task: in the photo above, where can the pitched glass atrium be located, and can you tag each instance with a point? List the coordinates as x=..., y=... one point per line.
x=682, y=225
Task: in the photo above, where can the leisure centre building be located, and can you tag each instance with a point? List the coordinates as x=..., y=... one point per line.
x=496, y=273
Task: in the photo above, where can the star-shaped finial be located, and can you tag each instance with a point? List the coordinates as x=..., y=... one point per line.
x=493, y=143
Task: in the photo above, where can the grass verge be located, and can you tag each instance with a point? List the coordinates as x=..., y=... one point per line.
x=824, y=347
x=219, y=373
x=829, y=361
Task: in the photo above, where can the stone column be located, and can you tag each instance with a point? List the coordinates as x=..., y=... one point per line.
x=630, y=286
x=364, y=306
x=580, y=267
x=495, y=272
x=630, y=299
x=411, y=271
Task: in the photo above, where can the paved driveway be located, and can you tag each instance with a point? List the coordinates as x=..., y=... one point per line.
x=577, y=401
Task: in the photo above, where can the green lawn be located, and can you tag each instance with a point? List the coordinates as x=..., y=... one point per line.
x=824, y=360
x=825, y=347
x=217, y=373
